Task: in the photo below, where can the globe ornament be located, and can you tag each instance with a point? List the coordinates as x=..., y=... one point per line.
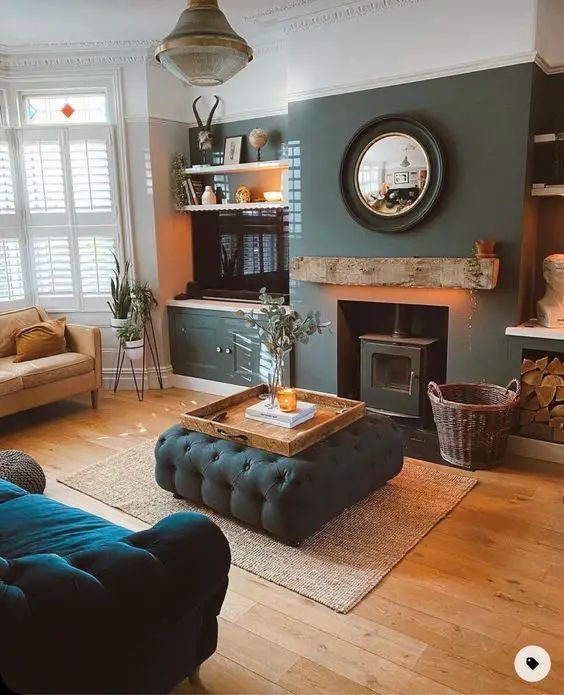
x=258, y=139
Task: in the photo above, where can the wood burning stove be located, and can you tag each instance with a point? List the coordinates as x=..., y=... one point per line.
x=396, y=368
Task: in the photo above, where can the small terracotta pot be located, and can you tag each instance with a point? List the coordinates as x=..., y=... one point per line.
x=485, y=248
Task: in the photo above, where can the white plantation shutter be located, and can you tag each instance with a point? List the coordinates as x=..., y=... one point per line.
x=72, y=216
x=7, y=199
x=52, y=261
x=12, y=286
x=96, y=264
x=44, y=175
x=12, y=237
x=90, y=167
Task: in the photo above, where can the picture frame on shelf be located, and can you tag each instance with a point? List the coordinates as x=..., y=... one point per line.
x=233, y=149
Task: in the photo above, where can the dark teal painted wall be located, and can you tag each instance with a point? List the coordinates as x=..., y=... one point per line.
x=483, y=122
x=276, y=126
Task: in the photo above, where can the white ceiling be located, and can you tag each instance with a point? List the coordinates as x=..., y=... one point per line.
x=28, y=22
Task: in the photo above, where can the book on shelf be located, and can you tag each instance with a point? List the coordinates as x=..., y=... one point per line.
x=274, y=416
x=193, y=195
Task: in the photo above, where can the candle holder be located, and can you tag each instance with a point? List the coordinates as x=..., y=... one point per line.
x=287, y=400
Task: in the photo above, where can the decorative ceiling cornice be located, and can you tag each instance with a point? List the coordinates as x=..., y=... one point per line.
x=343, y=13
x=113, y=53
x=275, y=10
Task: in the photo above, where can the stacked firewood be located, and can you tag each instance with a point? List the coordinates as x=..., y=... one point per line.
x=541, y=413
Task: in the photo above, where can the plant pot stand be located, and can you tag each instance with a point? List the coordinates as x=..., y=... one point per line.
x=150, y=340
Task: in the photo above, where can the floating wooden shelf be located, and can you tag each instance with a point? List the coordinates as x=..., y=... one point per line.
x=456, y=273
x=237, y=168
x=233, y=206
x=547, y=191
x=548, y=137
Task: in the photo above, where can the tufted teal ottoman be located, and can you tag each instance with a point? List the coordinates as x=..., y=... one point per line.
x=289, y=498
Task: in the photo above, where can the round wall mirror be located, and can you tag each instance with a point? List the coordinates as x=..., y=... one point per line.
x=392, y=174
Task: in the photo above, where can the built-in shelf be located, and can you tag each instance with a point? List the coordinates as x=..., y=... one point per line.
x=238, y=168
x=547, y=191
x=459, y=273
x=532, y=329
x=233, y=206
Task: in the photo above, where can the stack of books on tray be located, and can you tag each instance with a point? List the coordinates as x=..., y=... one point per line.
x=274, y=416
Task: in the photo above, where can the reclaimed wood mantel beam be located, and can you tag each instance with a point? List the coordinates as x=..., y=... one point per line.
x=461, y=273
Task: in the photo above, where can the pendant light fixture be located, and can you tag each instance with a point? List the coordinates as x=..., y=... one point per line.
x=203, y=49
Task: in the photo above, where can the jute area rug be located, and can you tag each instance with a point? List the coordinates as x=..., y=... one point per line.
x=339, y=565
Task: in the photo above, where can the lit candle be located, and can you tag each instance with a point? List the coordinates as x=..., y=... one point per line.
x=287, y=400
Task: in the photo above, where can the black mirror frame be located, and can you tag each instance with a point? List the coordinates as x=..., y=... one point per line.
x=361, y=140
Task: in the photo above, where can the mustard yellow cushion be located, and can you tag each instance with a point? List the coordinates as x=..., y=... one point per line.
x=41, y=340
x=13, y=321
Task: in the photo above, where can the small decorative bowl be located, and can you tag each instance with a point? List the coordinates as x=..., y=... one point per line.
x=273, y=196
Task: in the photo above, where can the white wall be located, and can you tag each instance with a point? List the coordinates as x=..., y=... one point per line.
x=425, y=38
x=260, y=89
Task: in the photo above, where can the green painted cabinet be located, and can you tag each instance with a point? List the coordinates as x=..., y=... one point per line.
x=215, y=345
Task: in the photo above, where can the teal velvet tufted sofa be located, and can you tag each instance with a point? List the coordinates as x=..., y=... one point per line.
x=90, y=607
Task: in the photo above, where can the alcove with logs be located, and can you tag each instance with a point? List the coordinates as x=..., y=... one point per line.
x=541, y=412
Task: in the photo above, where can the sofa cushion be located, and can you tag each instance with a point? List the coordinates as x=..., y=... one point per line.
x=41, y=339
x=47, y=370
x=31, y=524
x=9, y=383
x=13, y=321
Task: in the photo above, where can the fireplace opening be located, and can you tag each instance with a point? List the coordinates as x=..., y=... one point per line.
x=388, y=353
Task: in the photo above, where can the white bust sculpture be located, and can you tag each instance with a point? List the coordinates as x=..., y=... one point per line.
x=550, y=309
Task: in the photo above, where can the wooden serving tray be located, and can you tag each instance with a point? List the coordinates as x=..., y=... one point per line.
x=226, y=419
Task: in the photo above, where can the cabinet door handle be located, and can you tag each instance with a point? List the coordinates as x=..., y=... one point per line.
x=228, y=351
x=219, y=349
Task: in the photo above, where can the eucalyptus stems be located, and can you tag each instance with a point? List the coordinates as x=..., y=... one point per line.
x=280, y=329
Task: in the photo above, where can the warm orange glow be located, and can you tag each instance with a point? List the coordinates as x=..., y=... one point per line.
x=287, y=400
x=458, y=300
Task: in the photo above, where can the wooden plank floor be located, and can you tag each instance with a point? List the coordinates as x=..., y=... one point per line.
x=449, y=618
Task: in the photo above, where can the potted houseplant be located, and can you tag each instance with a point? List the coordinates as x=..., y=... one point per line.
x=143, y=301
x=131, y=335
x=280, y=329
x=120, y=306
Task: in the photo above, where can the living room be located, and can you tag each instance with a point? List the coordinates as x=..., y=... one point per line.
x=282, y=346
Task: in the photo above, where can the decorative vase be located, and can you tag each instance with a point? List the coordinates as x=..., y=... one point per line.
x=209, y=197
x=275, y=379
x=134, y=349
x=117, y=323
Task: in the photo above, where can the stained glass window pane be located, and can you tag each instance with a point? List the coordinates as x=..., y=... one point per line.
x=67, y=108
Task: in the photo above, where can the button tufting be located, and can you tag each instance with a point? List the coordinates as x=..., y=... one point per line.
x=215, y=457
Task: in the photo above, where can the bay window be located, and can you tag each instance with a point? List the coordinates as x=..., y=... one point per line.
x=59, y=213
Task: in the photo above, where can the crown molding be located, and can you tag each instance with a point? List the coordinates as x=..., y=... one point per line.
x=85, y=54
x=343, y=13
x=416, y=76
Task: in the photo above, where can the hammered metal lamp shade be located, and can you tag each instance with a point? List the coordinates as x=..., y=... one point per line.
x=203, y=49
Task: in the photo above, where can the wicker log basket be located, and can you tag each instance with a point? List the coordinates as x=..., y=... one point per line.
x=474, y=421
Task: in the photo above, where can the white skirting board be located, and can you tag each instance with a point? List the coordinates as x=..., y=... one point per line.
x=536, y=449
x=216, y=388
x=126, y=382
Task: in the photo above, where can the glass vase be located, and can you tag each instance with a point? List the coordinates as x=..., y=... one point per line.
x=275, y=379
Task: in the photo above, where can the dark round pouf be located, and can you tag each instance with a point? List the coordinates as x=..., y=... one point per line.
x=22, y=470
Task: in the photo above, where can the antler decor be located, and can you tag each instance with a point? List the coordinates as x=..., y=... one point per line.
x=205, y=139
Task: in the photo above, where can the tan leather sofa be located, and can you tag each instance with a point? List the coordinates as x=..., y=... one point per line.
x=25, y=385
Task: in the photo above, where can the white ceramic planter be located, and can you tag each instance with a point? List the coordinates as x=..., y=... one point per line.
x=117, y=323
x=134, y=349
